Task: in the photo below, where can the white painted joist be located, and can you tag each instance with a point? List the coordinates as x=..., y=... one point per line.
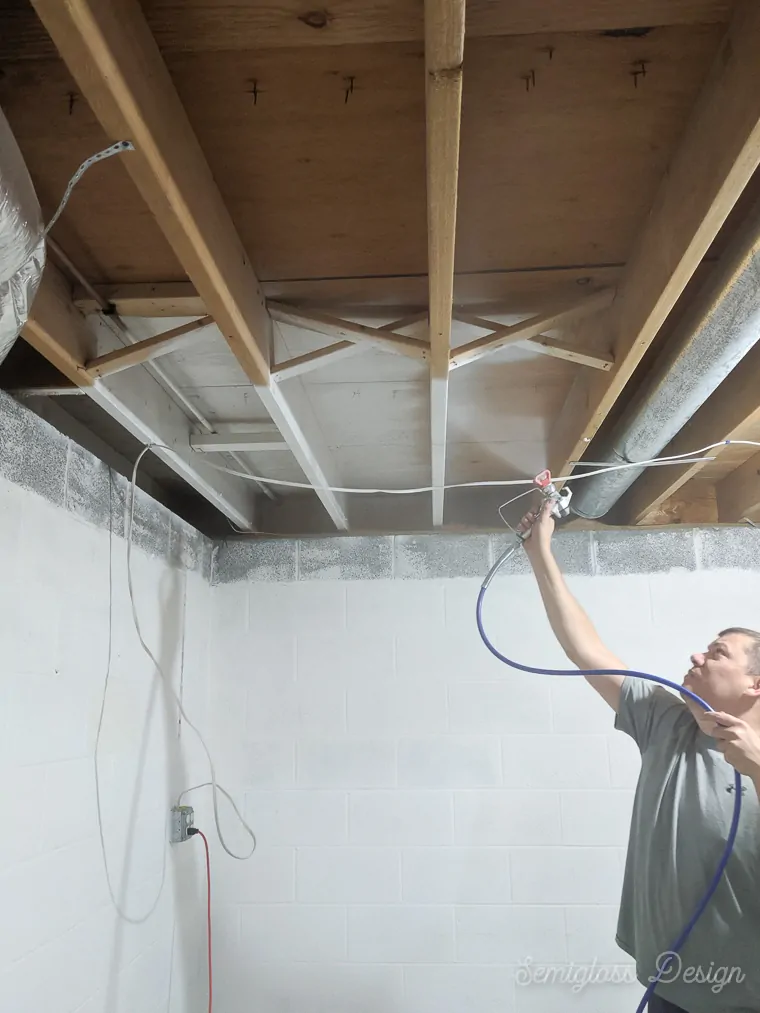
x=138, y=402
x=313, y=454
x=240, y=441
x=134, y=399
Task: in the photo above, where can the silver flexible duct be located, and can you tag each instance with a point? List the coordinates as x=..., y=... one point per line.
x=716, y=332
x=22, y=243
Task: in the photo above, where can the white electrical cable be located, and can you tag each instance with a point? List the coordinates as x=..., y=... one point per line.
x=215, y=787
x=676, y=459
x=658, y=462
x=692, y=457
x=230, y=799
x=121, y=913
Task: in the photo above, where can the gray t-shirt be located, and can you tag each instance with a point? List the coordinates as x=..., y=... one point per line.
x=681, y=818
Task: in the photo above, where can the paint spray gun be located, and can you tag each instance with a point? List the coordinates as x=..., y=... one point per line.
x=559, y=498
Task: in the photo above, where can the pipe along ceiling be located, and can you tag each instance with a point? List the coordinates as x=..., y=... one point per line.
x=716, y=332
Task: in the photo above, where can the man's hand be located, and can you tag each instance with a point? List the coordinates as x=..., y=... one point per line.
x=738, y=741
x=540, y=525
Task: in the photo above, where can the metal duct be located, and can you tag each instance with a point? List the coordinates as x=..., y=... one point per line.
x=716, y=332
x=22, y=244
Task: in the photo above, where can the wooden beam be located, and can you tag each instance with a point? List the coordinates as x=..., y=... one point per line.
x=314, y=360
x=517, y=290
x=444, y=55
x=717, y=155
x=339, y=350
x=111, y=53
x=530, y=331
x=139, y=299
x=290, y=23
x=334, y=327
x=239, y=441
x=694, y=503
x=730, y=411
x=406, y=321
x=143, y=351
x=561, y=350
x=137, y=401
x=54, y=328
x=739, y=493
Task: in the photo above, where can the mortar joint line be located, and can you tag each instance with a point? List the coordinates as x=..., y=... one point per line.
x=66, y=476
x=594, y=555
x=696, y=537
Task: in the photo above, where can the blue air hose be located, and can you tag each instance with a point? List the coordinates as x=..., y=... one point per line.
x=686, y=932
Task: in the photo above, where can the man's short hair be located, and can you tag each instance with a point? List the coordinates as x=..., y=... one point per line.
x=753, y=651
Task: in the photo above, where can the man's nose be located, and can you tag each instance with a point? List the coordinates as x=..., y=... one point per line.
x=697, y=660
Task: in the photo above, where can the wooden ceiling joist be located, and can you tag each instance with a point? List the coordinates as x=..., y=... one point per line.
x=444, y=55
x=732, y=410
x=112, y=55
x=530, y=331
x=718, y=153
x=384, y=338
x=739, y=494
x=151, y=299
x=144, y=351
x=57, y=330
x=523, y=290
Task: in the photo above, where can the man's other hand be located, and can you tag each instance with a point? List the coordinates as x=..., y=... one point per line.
x=738, y=741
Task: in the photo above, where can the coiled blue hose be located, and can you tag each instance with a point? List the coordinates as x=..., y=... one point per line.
x=686, y=932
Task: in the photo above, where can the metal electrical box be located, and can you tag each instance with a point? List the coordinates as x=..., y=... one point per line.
x=181, y=821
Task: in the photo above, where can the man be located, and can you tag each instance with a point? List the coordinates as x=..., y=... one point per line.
x=683, y=804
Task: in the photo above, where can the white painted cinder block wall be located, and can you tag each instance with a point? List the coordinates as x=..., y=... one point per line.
x=429, y=821
x=61, y=945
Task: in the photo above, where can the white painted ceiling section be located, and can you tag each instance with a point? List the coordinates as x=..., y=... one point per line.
x=372, y=407
x=139, y=400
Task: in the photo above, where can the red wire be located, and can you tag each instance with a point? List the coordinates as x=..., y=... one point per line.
x=208, y=895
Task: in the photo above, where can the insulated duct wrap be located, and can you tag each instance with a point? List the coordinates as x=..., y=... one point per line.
x=720, y=327
x=22, y=242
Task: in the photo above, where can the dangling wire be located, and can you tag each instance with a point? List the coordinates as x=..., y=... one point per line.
x=215, y=788
x=115, y=149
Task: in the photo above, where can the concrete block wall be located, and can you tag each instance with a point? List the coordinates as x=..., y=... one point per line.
x=428, y=823
x=432, y=825
x=62, y=556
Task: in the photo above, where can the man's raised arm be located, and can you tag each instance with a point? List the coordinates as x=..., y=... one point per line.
x=570, y=624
